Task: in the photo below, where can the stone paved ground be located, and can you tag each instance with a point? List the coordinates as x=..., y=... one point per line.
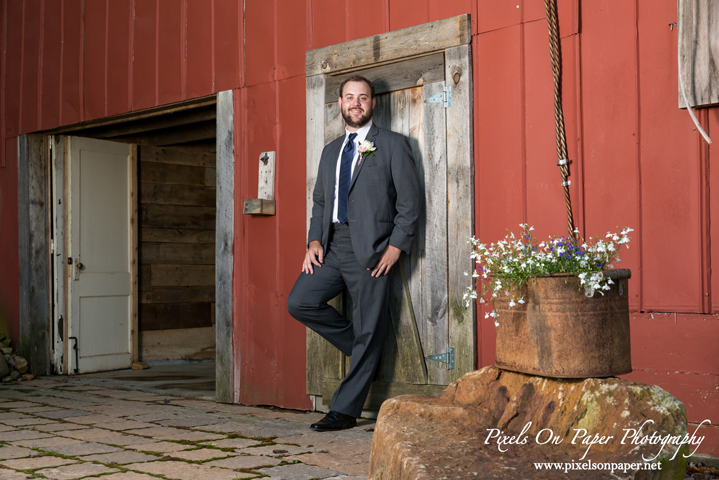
x=62, y=428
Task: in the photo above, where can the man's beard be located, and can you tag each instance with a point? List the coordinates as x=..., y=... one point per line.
x=363, y=120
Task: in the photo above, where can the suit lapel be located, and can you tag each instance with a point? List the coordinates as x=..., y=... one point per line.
x=373, y=131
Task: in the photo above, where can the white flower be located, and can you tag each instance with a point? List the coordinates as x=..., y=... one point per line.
x=365, y=147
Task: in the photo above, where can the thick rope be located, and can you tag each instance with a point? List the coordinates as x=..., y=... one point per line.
x=551, y=8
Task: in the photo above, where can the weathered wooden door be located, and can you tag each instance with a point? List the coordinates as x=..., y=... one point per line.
x=427, y=98
x=99, y=247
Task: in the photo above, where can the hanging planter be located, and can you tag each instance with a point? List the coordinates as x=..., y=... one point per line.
x=561, y=331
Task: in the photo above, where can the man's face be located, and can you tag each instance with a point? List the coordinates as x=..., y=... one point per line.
x=356, y=104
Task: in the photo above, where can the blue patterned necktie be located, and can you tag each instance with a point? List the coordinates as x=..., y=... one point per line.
x=348, y=154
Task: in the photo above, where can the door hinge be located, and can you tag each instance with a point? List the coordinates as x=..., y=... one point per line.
x=445, y=97
x=447, y=358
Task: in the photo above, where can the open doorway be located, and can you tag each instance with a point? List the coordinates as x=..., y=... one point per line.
x=168, y=217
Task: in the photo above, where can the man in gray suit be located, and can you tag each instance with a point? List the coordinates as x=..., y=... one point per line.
x=365, y=213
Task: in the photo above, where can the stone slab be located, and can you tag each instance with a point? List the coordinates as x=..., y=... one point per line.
x=128, y=476
x=244, y=462
x=331, y=460
x=232, y=443
x=44, y=443
x=8, y=453
x=183, y=471
x=36, y=462
x=77, y=470
x=299, y=471
x=28, y=421
x=90, y=419
x=7, y=415
x=121, y=457
x=185, y=421
x=123, y=425
x=57, y=427
x=199, y=455
x=276, y=450
x=7, y=428
x=160, y=447
x=123, y=440
x=6, y=474
x=36, y=409
x=87, y=433
x=22, y=435
x=20, y=404
x=64, y=414
x=309, y=439
x=83, y=449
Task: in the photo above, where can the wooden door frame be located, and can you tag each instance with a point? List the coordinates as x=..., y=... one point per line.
x=34, y=235
x=327, y=67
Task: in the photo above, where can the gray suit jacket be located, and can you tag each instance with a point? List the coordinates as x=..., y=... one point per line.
x=384, y=201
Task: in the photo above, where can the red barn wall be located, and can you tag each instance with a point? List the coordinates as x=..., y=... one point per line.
x=636, y=159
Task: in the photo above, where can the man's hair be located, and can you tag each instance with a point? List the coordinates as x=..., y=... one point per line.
x=358, y=78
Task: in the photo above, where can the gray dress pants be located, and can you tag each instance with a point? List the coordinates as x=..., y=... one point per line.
x=362, y=337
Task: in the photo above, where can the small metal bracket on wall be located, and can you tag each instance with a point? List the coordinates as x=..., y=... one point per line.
x=447, y=358
x=264, y=204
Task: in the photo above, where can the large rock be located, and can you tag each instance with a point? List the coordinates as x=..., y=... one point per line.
x=460, y=433
x=4, y=368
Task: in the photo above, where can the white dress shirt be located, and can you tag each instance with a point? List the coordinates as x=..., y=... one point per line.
x=361, y=136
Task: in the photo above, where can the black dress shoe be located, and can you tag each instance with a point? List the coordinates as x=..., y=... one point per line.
x=334, y=421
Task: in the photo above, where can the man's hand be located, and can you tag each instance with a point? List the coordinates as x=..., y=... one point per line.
x=389, y=258
x=315, y=254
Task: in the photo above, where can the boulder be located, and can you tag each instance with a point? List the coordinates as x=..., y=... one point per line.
x=27, y=376
x=493, y=423
x=5, y=350
x=20, y=364
x=14, y=375
x=4, y=367
x=140, y=366
x=7, y=379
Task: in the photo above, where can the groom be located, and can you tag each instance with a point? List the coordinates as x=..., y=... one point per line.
x=365, y=213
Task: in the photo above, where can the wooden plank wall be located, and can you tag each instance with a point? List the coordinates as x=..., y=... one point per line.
x=177, y=253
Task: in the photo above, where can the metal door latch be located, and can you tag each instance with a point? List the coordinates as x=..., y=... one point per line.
x=445, y=97
x=447, y=358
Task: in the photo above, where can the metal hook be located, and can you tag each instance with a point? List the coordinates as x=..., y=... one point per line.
x=671, y=26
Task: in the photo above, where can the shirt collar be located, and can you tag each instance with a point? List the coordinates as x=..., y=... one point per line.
x=361, y=133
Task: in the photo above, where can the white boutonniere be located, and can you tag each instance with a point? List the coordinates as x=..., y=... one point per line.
x=365, y=149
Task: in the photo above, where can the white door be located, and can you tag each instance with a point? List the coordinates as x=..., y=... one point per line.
x=99, y=242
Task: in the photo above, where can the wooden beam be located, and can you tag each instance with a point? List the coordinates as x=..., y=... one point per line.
x=172, y=136
x=134, y=257
x=78, y=128
x=227, y=357
x=170, y=120
x=699, y=52
x=460, y=208
x=34, y=247
x=391, y=46
x=393, y=76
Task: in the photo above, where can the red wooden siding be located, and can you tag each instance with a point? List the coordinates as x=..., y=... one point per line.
x=635, y=157
x=170, y=52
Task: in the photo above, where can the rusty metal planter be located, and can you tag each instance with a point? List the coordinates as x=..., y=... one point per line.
x=560, y=332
